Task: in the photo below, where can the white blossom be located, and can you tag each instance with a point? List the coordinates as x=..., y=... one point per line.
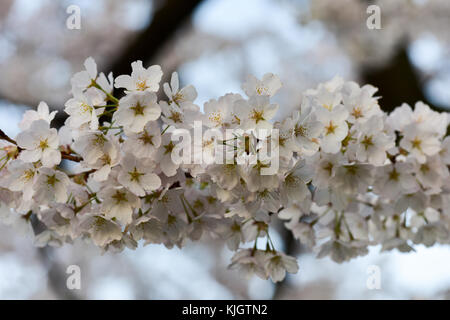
x=395, y=179
x=338, y=172
x=141, y=79
x=85, y=107
x=144, y=144
x=419, y=144
x=101, y=229
x=22, y=178
x=183, y=97
x=255, y=113
x=84, y=79
x=135, y=110
x=51, y=186
x=269, y=85
x=278, y=263
x=306, y=131
x=40, y=143
x=372, y=143
x=137, y=176
x=42, y=113
x=335, y=127
x=220, y=113
x=118, y=203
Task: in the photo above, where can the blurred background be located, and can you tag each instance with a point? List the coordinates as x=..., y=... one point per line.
x=214, y=45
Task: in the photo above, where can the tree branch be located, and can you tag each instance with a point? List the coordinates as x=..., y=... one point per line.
x=166, y=21
x=290, y=249
x=4, y=136
x=397, y=82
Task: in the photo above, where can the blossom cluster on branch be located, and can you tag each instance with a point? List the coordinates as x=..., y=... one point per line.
x=347, y=174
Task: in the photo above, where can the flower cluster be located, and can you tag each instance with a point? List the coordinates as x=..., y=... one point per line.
x=339, y=173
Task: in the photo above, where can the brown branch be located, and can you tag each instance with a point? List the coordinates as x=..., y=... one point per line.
x=166, y=21
x=71, y=157
x=64, y=155
x=4, y=136
x=290, y=249
x=397, y=82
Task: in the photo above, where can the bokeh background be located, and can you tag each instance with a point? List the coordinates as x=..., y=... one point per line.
x=214, y=45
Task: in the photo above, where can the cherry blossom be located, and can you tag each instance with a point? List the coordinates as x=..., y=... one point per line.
x=41, y=113
x=40, y=143
x=135, y=110
x=338, y=173
x=141, y=79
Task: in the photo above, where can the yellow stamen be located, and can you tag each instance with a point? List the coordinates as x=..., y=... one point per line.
x=394, y=175
x=135, y=175
x=138, y=109
x=175, y=116
x=367, y=142
x=51, y=180
x=146, y=138
x=257, y=115
x=43, y=144
x=416, y=143
x=141, y=85
x=330, y=129
x=120, y=197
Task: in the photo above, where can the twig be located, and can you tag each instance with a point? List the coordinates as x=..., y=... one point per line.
x=4, y=136
x=71, y=157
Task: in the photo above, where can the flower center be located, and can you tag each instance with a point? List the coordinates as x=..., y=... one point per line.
x=28, y=174
x=120, y=197
x=424, y=168
x=282, y=140
x=135, y=175
x=99, y=140
x=43, y=144
x=262, y=90
x=99, y=222
x=146, y=138
x=106, y=159
x=331, y=128
x=416, y=143
x=216, y=117
x=328, y=167
x=141, y=85
x=260, y=165
x=367, y=142
x=52, y=180
x=138, y=109
x=356, y=112
x=300, y=130
x=85, y=107
x=198, y=204
x=169, y=147
x=292, y=181
x=394, y=175
x=175, y=116
x=178, y=97
x=257, y=115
